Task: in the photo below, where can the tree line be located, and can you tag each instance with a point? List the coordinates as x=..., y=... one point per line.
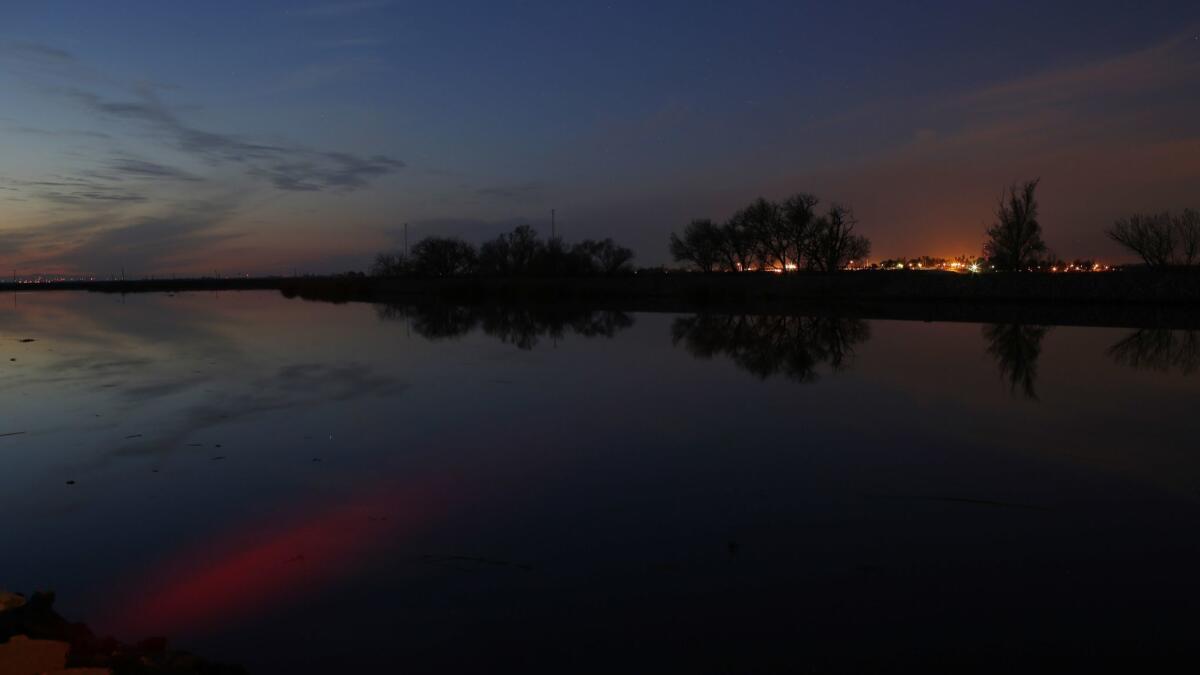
x=518, y=253
x=773, y=236
x=1160, y=240
x=791, y=235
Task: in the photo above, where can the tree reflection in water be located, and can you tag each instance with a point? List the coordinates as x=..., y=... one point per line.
x=766, y=345
x=519, y=325
x=1159, y=349
x=1016, y=348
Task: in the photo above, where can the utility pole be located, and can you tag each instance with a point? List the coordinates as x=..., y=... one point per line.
x=553, y=228
x=406, y=240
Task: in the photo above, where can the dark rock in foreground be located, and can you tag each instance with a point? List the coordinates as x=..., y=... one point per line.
x=33, y=635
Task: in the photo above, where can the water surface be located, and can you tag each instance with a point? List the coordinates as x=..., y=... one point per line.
x=304, y=487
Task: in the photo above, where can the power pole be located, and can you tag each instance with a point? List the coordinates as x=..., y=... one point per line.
x=553, y=229
x=406, y=240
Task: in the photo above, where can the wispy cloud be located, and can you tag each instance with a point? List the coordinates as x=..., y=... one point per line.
x=1170, y=62
x=73, y=191
x=60, y=133
x=140, y=168
x=175, y=238
x=34, y=51
x=287, y=167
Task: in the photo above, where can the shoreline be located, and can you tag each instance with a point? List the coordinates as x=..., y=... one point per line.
x=1134, y=299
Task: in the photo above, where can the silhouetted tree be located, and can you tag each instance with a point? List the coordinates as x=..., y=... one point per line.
x=511, y=253
x=1160, y=239
x=1015, y=239
x=1187, y=225
x=768, y=234
x=700, y=245
x=600, y=257
x=392, y=264
x=833, y=243
x=1016, y=348
x=443, y=257
x=800, y=218
x=737, y=246
x=554, y=259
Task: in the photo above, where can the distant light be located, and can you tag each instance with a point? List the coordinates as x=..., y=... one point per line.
x=974, y=267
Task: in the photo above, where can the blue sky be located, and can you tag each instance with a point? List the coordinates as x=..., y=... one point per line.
x=265, y=137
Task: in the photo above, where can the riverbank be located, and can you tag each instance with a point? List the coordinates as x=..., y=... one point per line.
x=1131, y=286
x=1169, y=287
x=1119, y=299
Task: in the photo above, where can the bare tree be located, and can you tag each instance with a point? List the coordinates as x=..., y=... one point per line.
x=390, y=264
x=800, y=218
x=443, y=257
x=833, y=243
x=1187, y=230
x=1015, y=239
x=768, y=233
x=700, y=245
x=511, y=253
x=737, y=246
x=602, y=257
x=1150, y=236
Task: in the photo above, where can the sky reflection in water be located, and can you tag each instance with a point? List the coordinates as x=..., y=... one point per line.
x=741, y=488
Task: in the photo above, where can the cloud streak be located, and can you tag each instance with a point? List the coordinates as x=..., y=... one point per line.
x=286, y=167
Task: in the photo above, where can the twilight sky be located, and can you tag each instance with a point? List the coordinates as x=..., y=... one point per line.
x=264, y=137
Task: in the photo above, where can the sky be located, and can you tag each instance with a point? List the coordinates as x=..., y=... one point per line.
x=273, y=137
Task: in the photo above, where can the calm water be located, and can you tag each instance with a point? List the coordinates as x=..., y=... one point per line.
x=298, y=486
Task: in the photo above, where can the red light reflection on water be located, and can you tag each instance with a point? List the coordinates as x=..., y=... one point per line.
x=267, y=564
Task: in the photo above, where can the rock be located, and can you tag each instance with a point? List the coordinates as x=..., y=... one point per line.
x=10, y=600
x=22, y=656
x=34, y=639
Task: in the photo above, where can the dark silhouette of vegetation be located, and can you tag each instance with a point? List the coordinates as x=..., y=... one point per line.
x=520, y=253
x=833, y=244
x=514, y=253
x=766, y=345
x=701, y=244
x=523, y=326
x=603, y=257
x=1160, y=239
x=1160, y=350
x=1015, y=239
x=390, y=264
x=770, y=236
x=443, y=257
x=1016, y=348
